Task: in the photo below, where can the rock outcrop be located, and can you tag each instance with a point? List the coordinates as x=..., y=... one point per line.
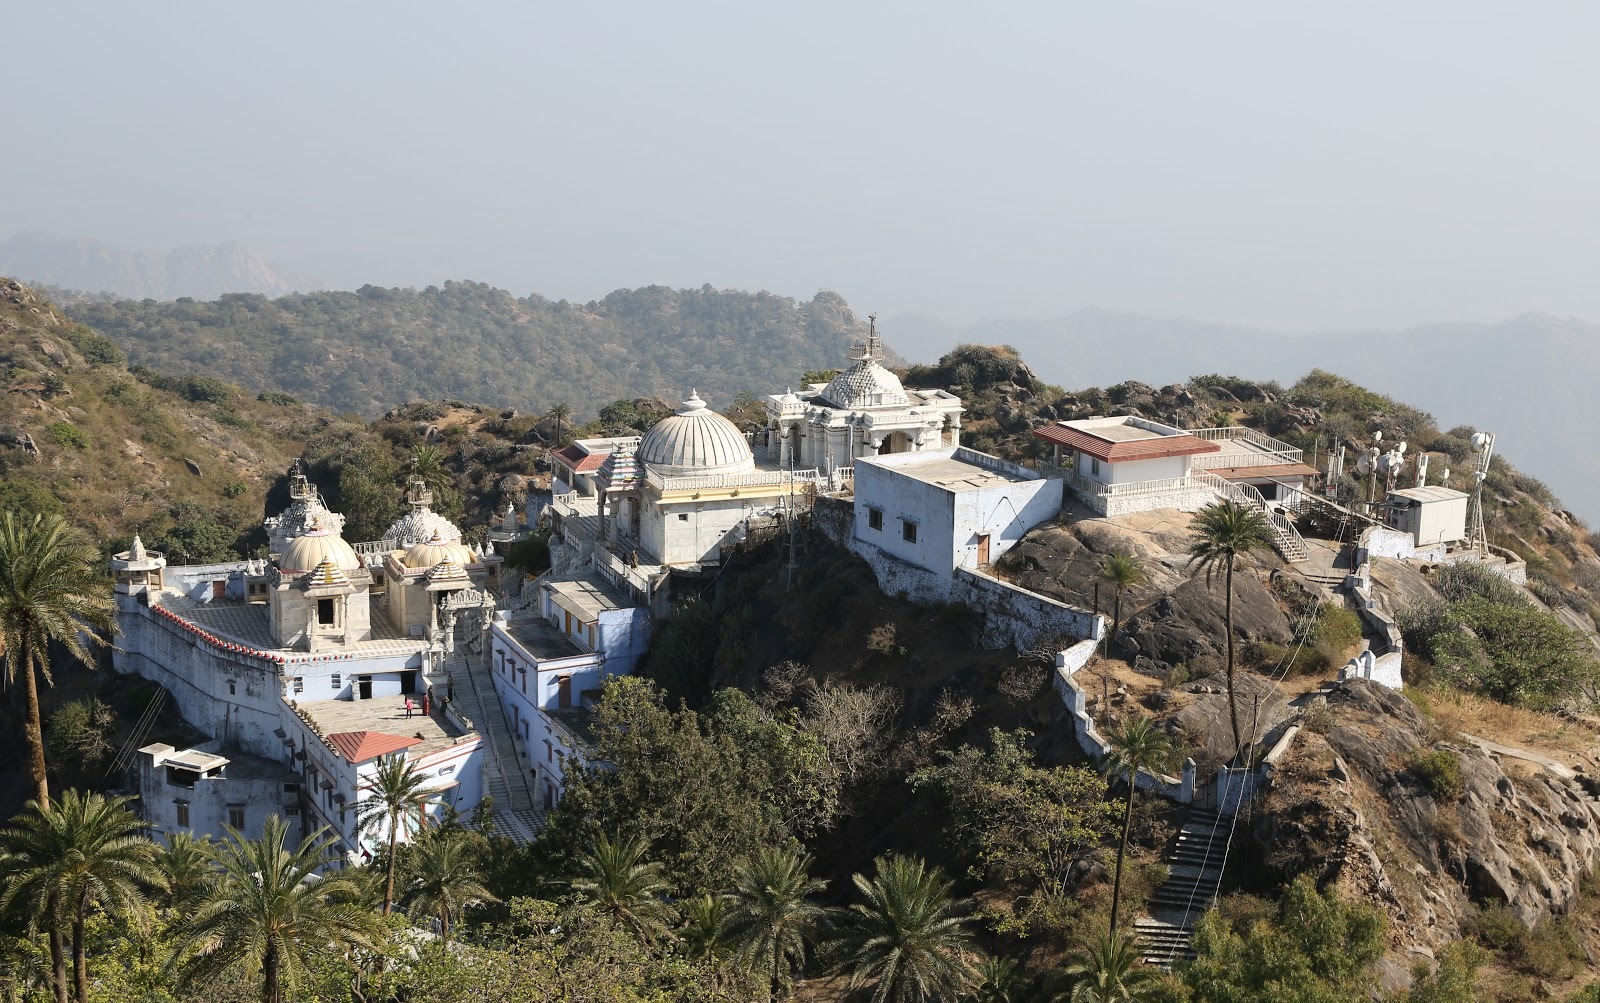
x=1349, y=805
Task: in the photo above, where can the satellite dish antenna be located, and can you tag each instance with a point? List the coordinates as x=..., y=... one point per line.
x=1363, y=464
x=1400, y=448
x=1481, y=441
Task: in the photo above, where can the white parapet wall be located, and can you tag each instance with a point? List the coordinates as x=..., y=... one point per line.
x=1068, y=662
x=1383, y=669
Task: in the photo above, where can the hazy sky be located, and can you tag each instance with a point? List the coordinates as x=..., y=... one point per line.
x=1303, y=165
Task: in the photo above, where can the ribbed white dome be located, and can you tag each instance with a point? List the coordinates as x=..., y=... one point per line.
x=865, y=384
x=695, y=440
x=436, y=550
x=420, y=525
x=305, y=552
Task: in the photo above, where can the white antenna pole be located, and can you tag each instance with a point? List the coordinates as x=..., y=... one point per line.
x=1422, y=470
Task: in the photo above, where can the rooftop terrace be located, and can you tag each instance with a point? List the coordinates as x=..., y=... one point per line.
x=386, y=715
x=247, y=624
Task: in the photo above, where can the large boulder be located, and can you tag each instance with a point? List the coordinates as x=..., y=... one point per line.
x=1189, y=627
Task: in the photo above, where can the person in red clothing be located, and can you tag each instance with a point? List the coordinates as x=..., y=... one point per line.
x=408, y=708
x=427, y=703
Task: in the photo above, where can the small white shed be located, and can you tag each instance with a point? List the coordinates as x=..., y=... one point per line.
x=1433, y=514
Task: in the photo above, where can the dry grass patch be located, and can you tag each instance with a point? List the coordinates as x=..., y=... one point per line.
x=1456, y=711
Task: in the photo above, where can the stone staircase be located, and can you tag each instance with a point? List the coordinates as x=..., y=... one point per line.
x=1195, y=866
x=1284, y=536
x=516, y=804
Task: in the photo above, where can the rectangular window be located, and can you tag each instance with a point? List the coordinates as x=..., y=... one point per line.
x=908, y=531
x=299, y=684
x=183, y=813
x=325, y=612
x=335, y=678
x=549, y=752
x=233, y=687
x=683, y=517
x=1094, y=465
x=875, y=518
x=236, y=816
x=291, y=788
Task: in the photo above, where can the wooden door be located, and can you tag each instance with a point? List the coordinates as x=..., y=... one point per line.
x=983, y=550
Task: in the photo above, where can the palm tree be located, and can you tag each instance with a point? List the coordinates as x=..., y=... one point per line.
x=1223, y=533
x=444, y=879
x=1107, y=970
x=85, y=852
x=560, y=414
x=394, y=802
x=614, y=876
x=909, y=937
x=427, y=464
x=771, y=916
x=999, y=980
x=1136, y=745
x=705, y=926
x=50, y=590
x=270, y=913
x=1122, y=571
x=188, y=868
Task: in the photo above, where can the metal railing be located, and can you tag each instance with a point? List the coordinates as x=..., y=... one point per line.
x=1290, y=543
x=1272, y=451
x=714, y=482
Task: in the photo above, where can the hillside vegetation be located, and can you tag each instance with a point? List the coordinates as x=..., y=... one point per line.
x=367, y=350
x=186, y=460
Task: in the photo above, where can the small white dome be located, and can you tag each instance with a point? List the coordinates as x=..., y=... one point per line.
x=436, y=550
x=696, y=440
x=865, y=384
x=420, y=525
x=305, y=552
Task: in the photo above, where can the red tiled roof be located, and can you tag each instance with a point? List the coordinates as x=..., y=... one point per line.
x=575, y=459
x=360, y=746
x=1274, y=470
x=1154, y=448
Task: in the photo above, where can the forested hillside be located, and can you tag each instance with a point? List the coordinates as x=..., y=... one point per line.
x=371, y=349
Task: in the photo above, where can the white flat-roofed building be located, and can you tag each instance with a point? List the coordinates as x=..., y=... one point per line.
x=945, y=509
x=1432, y=515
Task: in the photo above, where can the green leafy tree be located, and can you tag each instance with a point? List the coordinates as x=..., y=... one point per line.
x=270, y=917
x=83, y=853
x=51, y=591
x=1122, y=572
x=908, y=937
x=197, y=536
x=1023, y=822
x=771, y=917
x=443, y=880
x=1108, y=969
x=1315, y=949
x=1223, y=533
x=700, y=802
x=1455, y=980
x=999, y=979
x=392, y=807
x=624, y=887
x=1136, y=745
x=78, y=733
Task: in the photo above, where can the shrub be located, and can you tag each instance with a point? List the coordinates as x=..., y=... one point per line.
x=1552, y=950
x=234, y=489
x=884, y=640
x=1498, y=927
x=1440, y=772
x=65, y=433
x=96, y=348
x=1338, y=627
x=277, y=397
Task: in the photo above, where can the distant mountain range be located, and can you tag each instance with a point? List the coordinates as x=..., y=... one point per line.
x=1529, y=379
x=200, y=271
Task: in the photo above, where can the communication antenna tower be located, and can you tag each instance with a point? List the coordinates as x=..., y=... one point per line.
x=1483, y=449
